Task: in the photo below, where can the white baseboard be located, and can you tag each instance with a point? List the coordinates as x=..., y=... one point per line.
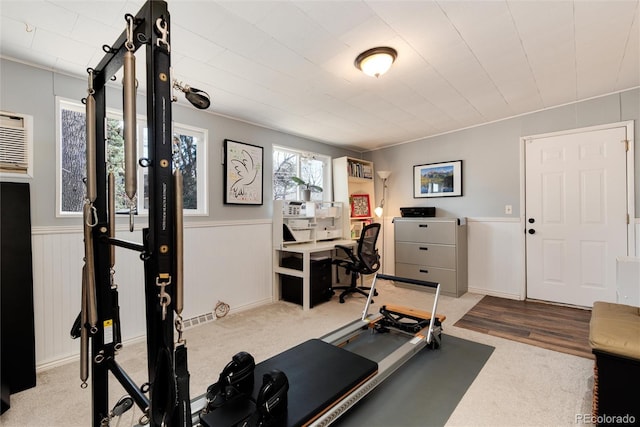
x=481, y=291
x=75, y=357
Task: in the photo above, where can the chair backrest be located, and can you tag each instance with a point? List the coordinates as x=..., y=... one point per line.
x=367, y=252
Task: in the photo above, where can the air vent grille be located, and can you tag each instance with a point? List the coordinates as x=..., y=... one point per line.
x=14, y=144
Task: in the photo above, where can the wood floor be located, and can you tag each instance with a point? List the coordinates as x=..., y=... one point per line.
x=553, y=327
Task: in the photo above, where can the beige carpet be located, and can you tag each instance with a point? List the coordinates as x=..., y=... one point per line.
x=519, y=385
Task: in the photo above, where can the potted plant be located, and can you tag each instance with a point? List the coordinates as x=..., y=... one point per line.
x=308, y=188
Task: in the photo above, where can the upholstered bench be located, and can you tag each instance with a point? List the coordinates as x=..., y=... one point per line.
x=614, y=336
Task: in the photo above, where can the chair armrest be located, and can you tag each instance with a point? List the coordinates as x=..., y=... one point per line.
x=349, y=251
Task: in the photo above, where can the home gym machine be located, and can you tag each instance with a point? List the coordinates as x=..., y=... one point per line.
x=164, y=399
x=326, y=376
x=319, y=379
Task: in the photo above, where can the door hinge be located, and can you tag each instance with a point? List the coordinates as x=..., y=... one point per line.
x=628, y=219
x=626, y=145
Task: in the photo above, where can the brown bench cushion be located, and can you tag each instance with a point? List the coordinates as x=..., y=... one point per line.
x=615, y=329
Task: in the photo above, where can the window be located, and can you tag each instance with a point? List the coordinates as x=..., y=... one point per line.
x=189, y=154
x=312, y=168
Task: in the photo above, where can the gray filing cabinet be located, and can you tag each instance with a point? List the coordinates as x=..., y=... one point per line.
x=433, y=249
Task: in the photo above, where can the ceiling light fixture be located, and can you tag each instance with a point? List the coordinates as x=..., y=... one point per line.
x=377, y=61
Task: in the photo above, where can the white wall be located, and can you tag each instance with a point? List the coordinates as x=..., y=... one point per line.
x=239, y=274
x=226, y=261
x=496, y=257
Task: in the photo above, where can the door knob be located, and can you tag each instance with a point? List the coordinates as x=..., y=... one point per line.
x=531, y=220
x=532, y=231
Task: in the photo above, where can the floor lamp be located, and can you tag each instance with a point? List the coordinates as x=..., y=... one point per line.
x=384, y=175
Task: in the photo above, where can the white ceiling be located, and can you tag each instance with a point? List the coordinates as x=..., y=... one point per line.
x=288, y=65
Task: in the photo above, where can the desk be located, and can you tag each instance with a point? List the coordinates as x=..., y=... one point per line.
x=306, y=250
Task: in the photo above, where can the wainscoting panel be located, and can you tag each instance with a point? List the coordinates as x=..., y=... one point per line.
x=229, y=262
x=57, y=278
x=496, y=257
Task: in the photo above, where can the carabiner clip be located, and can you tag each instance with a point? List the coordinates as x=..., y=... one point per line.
x=161, y=26
x=129, y=42
x=92, y=216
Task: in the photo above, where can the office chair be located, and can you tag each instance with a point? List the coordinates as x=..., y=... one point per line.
x=365, y=261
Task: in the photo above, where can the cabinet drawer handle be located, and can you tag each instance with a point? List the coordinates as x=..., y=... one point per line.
x=423, y=225
x=422, y=248
x=424, y=271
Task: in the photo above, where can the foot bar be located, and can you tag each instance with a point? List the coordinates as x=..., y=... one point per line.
x=419, y=283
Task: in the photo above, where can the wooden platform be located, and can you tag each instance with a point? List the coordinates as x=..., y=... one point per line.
x=549, y=326
x=408, y=311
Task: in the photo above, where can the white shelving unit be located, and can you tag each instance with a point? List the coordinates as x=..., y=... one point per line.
x=351, y=177
x=307, y=222
x=304, y=232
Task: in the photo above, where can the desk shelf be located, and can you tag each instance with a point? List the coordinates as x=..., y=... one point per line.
x=297, y=222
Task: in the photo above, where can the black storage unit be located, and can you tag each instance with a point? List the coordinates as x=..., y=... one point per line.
x=17, y=337
x=320, y=278
x=615, y=389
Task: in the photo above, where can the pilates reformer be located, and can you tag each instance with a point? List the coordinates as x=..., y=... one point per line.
x=327, y=376
x=164, y=399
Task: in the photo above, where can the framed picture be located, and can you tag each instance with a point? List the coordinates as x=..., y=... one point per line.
x=438, y=179
x=243, y=170
x=360, y=207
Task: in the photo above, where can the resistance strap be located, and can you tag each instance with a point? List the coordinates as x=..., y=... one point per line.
x=163, y=390
x=183, y=417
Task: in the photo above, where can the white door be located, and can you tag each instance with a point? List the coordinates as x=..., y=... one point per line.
x=576, y=215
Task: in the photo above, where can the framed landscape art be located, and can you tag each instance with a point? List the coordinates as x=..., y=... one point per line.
x=438, y=179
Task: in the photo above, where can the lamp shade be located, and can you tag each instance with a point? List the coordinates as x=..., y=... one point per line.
x=377, y=61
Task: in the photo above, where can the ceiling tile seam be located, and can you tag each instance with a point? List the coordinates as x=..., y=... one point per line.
x=626, y=43
x=524, y=51
x=475, y=57
x=435, y=70
x=252, y=82
x=501, y=120
x=216, y=113
x=443, y=112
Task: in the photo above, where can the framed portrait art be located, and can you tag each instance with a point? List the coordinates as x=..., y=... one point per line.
x=243, y=170
x=360, y=207
x=438, y=179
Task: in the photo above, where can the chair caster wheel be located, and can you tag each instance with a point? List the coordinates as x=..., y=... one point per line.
x=341, y=301
x=375, y=293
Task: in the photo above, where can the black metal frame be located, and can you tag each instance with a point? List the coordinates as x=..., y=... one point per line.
x=157, y=251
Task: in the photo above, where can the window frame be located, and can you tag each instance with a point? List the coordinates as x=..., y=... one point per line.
x=327, y=176
x=177, y=128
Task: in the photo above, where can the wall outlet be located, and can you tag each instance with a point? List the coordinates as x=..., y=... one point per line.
x=508, y=209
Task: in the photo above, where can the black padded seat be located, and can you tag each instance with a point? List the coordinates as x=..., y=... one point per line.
x=319, y=374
